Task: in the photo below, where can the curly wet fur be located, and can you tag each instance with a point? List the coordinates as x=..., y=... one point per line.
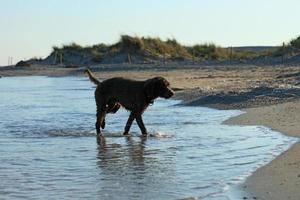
x=133, y=95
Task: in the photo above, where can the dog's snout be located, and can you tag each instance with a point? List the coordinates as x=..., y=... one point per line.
x=170, y=93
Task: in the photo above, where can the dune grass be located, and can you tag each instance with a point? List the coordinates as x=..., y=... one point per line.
x=147, y=48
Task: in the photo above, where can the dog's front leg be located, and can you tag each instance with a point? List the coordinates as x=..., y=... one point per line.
x=140, y=122
x=129, y=123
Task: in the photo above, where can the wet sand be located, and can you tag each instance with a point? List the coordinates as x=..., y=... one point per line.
x=279, y=179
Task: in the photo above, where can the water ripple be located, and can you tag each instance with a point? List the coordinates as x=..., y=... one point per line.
x=48, y=147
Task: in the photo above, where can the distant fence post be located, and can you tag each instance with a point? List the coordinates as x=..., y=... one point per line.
x=193, y=54
x=230, y=54
x=129, y=58
x=10, y=61
x=61, y=58
x=283, y=52
x=55, y=57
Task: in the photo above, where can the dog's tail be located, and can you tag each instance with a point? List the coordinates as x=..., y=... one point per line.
x=92, y=77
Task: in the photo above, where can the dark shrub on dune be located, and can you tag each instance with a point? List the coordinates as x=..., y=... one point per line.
x=23, y=64
x=295, y=42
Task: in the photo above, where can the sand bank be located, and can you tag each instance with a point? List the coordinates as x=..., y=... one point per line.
x=280, y=179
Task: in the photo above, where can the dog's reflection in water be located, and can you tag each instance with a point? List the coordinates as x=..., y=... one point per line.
x=116, y=156
x=129, y=166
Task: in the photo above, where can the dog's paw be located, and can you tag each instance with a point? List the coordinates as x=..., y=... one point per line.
x=145, y=135
x=126, y=134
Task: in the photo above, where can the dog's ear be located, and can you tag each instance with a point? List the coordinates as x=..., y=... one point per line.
x=149, y=88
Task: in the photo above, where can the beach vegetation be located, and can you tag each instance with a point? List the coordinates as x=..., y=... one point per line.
x=154, y=48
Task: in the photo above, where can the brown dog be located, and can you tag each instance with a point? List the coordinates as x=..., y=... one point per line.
x=133, y=95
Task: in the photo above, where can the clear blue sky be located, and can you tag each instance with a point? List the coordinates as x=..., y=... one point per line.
x=31, y=27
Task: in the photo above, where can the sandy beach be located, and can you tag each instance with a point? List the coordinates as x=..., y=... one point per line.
x=279, y=179
x=269, y=95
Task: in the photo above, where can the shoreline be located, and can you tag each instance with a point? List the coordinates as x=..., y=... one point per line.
x=270, y=95
x=279, y=179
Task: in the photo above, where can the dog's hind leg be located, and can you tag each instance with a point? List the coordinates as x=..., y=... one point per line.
x=101, y=112
x=100, y=121
x=97, y=125
x=111, y=107
x=129, y=123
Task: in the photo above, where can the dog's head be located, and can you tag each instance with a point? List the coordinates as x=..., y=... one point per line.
x=158, y=87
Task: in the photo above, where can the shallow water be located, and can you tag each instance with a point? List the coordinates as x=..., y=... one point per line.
x=48, y=148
